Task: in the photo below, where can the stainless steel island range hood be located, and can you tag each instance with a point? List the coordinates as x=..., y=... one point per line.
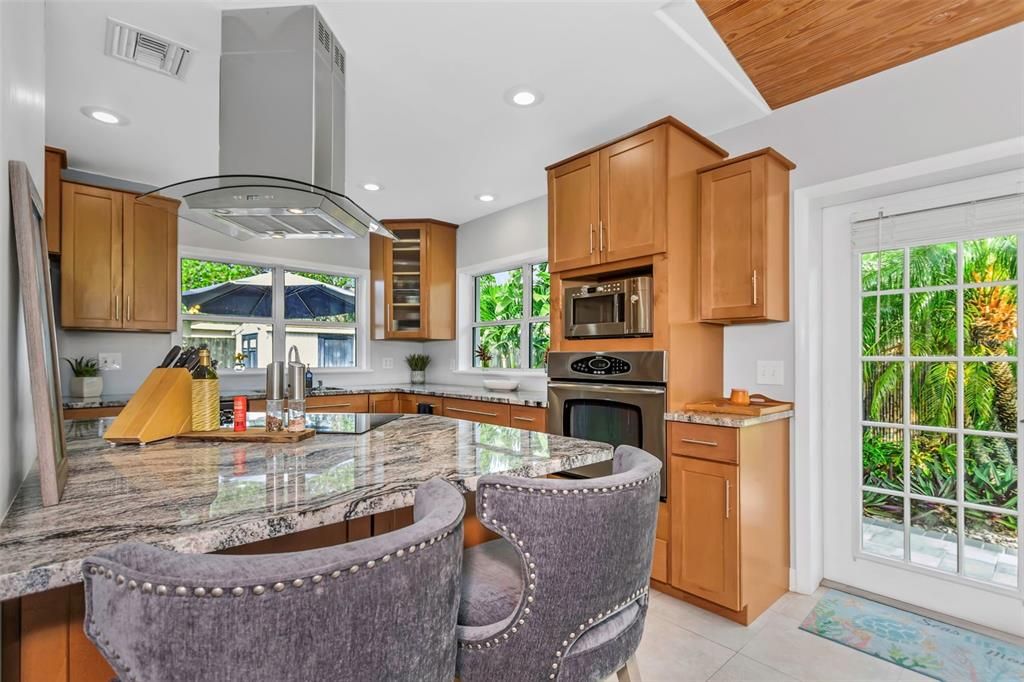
x=282, y=133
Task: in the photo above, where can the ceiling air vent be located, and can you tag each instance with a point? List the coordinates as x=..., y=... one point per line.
x=146, y=49
x=323, y=36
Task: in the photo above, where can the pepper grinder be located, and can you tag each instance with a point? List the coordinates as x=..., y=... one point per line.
x=275, y=397
x=296, y=391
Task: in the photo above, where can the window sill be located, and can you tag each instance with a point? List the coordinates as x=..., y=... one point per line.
x=497, y=371
x=315, y=370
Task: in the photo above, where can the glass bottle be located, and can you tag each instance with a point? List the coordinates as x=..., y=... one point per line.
x=205, y=395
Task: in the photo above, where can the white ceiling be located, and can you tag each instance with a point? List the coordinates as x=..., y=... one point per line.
x=426, y=114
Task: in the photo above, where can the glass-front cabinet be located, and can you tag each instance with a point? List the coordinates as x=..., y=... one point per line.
x=413, y=294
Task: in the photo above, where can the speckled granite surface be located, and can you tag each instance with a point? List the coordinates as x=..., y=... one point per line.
x=197, y=497
x=736, y=421
x=529, y=398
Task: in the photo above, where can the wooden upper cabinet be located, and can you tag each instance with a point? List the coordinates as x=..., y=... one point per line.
x=744, y=239
x=150, y=264
x=633, y=196
x=574, y=214
x=412, y=292
x=118, y=261
x=56, y=161
x=91, y=258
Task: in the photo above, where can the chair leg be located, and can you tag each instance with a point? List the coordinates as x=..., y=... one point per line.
x=631, y=671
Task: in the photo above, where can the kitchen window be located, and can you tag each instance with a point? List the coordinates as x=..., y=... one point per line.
x=249, y=314
x=511, y=323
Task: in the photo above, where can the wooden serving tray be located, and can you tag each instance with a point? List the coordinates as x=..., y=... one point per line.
x=249, y=436
x=760, y=405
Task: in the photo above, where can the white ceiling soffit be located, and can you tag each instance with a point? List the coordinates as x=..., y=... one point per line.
x=427, y=118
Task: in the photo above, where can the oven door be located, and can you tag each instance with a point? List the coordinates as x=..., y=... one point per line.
x=595, y=315
x=613, y=414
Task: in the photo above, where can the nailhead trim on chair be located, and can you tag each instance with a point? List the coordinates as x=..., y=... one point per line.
x=502, y=529
x=237, y=591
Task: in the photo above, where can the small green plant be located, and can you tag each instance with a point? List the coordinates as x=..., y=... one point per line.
x=417, y=362
x=483, y=355
x=83, y=367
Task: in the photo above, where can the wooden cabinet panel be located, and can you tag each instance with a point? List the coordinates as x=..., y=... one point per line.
x=150, y=264
x=56, y=160
x=383, y=402
x=718, y=443
x=91, y=258
x=477, y=411
x=633, y=196
x=91, y=412
x=659, y=564
x=744, y=239
x=705, y=530
x=573, y=214
x=338, y=403
x=408, y=403
x=528, y=418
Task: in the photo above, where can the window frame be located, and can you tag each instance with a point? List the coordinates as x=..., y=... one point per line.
x=277, y=320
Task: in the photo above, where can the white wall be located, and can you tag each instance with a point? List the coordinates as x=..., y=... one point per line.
x=966, y=96
x=22, y=115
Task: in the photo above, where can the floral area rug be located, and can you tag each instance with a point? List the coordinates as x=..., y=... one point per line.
x=929, y=647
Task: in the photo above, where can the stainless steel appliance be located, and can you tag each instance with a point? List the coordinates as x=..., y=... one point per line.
x=612, y=397
x=619, y=307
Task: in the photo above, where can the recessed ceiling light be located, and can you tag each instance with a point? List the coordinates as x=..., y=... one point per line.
x=521, y=96
x=372, y=187
x=104, y=116
x=485, y=197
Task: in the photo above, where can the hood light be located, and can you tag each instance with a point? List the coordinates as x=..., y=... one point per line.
x=297, y=211
x=276, y=235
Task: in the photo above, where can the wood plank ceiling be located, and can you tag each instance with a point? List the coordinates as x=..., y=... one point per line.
x=793, y=49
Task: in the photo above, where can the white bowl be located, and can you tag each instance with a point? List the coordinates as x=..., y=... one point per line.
x=501, y=384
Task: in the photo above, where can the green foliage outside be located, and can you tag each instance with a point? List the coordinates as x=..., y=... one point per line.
x=500, y=298
x=990, y=388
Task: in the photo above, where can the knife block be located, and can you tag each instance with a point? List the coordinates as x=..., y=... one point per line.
x=161, y=408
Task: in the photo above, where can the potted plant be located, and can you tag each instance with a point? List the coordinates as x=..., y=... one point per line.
x=418, y=363
x=239, y=362
x=483, y=355
x=86, y=382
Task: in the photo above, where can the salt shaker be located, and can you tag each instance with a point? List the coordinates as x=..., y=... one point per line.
x=275, y=412
x=296, y=394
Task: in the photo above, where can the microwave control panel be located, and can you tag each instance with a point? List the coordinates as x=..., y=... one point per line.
x=601, y=365
x=607, y=288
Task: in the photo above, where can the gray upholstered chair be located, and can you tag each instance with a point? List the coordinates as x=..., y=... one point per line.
x=563, y=594
x=383, y=608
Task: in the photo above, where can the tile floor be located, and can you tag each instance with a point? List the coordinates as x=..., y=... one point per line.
x=682, y=643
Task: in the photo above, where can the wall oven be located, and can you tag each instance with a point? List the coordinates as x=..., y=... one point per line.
x=613, y=397
x=615, y=308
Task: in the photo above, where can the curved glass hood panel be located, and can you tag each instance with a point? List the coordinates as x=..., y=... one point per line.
x=268, y=207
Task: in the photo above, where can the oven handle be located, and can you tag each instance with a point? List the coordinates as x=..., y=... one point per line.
x=606, y=388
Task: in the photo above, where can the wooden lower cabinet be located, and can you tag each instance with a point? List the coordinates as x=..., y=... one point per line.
x=91, y=412
x=729, y=516
x=477, y=411
x=383, y=402
x=338, y=403
x=528, y=418
x=659, y=566
x=408, y=403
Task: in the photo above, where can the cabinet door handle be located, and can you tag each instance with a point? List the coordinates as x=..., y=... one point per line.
x=753, y=280
x=727, y=489
x=482, y=414
x=524, y=419
x=694, y=441
x=117, y=308
x=591, y=237
x=601, y=225
x=318, y=407
x=128, y=308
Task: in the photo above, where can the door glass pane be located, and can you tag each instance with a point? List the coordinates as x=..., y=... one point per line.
x=933, y=393
x=319, y=297
x=933, y=535
x=933, y=265
x=990, y=321
x=933, y=464
x=605, y=421
x=990, y=396
x=991, y=260
x=406, y=281
x=232, y=344
x=882, y=457
x=882, y=325
x=541, y=300
x=882, y=527
x=881, y=272
x=933, y=323
x=499, y=296
x=990, y=547
x=882, y=399
x=990, y=471
x=496, y=346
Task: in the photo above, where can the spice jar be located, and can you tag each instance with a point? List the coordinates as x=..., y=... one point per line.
x=276, y=415
x=275, y=412
x=296, y=415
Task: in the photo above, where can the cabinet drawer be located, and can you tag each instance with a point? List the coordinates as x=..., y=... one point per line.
x=717, y=443
x=338, y=403
x=528, y=418
x=477, y=411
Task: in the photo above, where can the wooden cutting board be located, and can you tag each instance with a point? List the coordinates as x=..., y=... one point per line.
x=249, y=436
x=760, y=405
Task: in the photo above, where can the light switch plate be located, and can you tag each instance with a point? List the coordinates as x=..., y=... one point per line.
x=109, y=361
x=387, y=363
x=770, y=372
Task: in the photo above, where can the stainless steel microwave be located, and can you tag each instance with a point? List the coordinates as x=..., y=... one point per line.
x=619, y=307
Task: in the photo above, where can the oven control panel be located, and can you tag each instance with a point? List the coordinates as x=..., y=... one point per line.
x=600, y=365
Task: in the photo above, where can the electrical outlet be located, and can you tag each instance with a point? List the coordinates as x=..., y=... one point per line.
x=387, y=363
x=770, y=372
x=109, y=361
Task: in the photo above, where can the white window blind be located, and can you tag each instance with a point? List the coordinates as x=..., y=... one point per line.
x=985, y=217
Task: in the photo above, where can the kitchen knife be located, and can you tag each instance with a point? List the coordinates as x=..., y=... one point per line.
x=186, y=357
x=171, y=356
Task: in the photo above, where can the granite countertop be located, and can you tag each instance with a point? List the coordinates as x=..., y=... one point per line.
x=527, y=398
x=736, y=421
x=203, y=497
